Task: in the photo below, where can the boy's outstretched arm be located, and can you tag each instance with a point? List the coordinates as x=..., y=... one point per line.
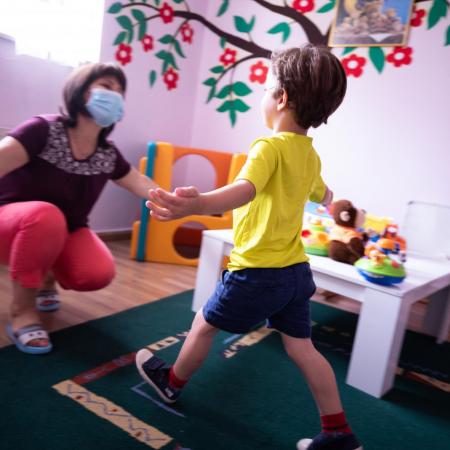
x=186, y=201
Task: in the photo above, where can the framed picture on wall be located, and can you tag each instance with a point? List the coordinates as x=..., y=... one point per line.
x=365, y=23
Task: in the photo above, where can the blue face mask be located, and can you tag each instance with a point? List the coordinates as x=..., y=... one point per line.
x=105, y=107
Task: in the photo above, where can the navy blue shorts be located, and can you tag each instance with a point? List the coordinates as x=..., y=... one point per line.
x=245, y=298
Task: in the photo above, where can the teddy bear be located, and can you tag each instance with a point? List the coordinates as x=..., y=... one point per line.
x=346, y=242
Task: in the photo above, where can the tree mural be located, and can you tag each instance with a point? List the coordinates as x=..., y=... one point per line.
x=238, y=47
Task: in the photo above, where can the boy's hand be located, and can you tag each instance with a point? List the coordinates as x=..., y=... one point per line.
x=165, y=206
x=328, y=197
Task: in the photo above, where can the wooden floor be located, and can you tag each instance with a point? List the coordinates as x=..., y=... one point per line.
x=136, y=284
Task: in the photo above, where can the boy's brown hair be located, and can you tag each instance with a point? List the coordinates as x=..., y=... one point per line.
x=314, y=80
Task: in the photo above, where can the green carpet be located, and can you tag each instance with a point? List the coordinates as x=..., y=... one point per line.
x=248, y=395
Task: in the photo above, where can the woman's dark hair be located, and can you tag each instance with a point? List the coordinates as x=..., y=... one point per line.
x=314, y=80
x=75, y=89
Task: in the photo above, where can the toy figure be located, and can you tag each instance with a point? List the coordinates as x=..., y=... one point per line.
x=346, y=242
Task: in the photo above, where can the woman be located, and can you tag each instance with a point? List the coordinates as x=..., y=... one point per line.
x=53, y=169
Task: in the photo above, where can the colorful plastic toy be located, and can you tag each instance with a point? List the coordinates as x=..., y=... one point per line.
x=155, y=241
x=315, y=238
x=380, y=269
x=389, y=243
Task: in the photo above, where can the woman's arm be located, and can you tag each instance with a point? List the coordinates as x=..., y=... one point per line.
x=136, y=183
x=12, y=155
x=186, y=201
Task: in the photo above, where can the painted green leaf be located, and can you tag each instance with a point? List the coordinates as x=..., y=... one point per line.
x=171, y=60
x=223, y=42
x=348, y=50
x=282, y=27
x=223, y=7
x=166, y=39
x=152, y=77
x=240, y=106
x=217, y=69
x=125, y=22
x=437, y=12
x=447, y=39
x=327, y=7
x=178, y=1
x=224, y=92
x=140, y=17
x=178, y=48
x=157, y=2
x=376, y=55
x=233, y=117
x=120, y=37
x=211, y=94
x=241, y=89
x=168, y=58
x=162, y=54
x=210, y=82
x=225, y=106
x=115, y=8
x=241, y=24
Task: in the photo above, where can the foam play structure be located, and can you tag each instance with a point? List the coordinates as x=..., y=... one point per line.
x=156, y=241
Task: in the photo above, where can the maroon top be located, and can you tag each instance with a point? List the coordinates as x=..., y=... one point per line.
x=54, y=175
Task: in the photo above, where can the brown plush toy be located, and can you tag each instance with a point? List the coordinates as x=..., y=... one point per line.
x=346, y=242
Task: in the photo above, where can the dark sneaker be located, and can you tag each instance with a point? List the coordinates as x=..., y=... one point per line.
x=330, y=441
x=156, y=373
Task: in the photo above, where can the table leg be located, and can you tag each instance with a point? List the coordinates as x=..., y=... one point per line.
x=437, y=318
x=378, y=341
x=209, y=268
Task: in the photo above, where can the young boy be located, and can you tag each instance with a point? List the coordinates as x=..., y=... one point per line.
x=268, y=276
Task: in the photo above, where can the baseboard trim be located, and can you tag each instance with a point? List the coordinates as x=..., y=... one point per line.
x=119, y=235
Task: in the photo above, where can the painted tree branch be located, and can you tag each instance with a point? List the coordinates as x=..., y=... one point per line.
x=312, y=32
x=250, y=47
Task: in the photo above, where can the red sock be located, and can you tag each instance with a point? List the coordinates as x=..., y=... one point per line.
x=332, y=423
x=174, y=381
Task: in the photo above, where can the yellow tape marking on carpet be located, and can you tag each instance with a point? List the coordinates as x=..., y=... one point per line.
x=246, y=341
x=113, y=413
x=164, y=343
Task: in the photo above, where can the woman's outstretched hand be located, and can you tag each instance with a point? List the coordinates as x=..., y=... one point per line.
x=182, y=202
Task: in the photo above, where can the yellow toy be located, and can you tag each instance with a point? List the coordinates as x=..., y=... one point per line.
x=157, y=245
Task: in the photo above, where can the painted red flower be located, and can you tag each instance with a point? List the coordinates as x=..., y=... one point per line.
x=228, y=57
x=353, y=65
x=187, y=33
x=303, y=6
x=166, y=13
x=401, y=56
x=170, y=78
x=258, y=72
x=123, y=54
x=417, y=16
x=147, y=43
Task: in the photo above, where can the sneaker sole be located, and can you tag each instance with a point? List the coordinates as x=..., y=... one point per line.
x=141, y=357
x=304, y=444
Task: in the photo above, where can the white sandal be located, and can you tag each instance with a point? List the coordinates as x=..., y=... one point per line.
x=47, y=300
x=21, y=338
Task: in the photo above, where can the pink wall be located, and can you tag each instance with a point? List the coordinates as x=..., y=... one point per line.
x=150, y=113
x=28, y=86
x=389, y=141
x=387, y=144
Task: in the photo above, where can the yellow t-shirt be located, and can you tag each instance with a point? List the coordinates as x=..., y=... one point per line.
x=285, y=170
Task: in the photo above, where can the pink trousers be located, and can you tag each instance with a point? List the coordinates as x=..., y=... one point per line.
x=34, y=240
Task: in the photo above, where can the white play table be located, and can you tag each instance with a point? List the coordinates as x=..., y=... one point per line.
x=384, y=310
